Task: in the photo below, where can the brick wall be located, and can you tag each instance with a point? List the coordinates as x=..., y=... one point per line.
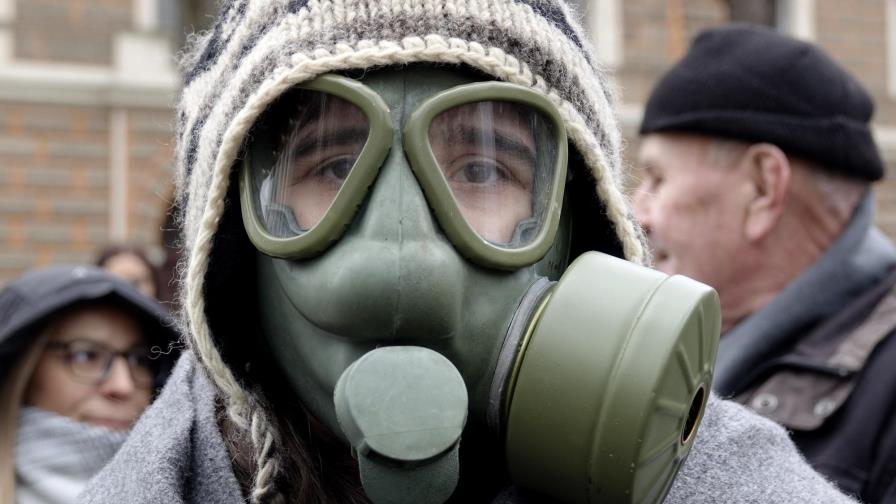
x=151, y=173
x=855, y=35
x=55, y=182
x=58, y=142
x=653, y=40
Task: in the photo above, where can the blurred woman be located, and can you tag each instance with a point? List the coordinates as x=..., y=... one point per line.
x=82, y=354
x=131, y=263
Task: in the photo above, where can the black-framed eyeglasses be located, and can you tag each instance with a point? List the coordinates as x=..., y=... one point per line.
x=89, y=362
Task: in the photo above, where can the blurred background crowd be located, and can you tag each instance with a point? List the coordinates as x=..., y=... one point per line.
x=87, y=91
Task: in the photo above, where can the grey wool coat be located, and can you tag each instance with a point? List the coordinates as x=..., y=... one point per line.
x=176, y=455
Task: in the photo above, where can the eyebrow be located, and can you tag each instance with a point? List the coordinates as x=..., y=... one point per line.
x=339, y=137
x=503, y=142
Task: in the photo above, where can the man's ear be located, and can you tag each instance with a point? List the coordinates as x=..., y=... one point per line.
x=769, y=171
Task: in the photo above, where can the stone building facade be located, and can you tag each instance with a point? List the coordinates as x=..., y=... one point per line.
x=87, y=90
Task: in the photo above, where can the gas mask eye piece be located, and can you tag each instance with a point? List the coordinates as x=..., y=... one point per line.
x=489, y=156
x=315, y=154
x=495, y=159
x=310, y=165
x=492, y=156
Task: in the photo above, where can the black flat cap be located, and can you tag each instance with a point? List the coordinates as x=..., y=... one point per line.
x=753, y=84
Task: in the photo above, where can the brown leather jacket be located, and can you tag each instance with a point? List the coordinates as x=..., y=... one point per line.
x=836, y=391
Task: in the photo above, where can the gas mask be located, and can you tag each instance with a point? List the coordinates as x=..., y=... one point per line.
x=414, y=279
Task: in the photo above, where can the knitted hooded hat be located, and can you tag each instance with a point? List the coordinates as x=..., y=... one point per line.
x=258, y=50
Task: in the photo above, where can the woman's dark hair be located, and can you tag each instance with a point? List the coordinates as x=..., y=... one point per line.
x=105, y=254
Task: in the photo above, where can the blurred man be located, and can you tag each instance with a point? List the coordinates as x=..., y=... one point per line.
x=758, y=160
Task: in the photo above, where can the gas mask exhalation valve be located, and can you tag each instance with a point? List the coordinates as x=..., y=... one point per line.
x=403, y=409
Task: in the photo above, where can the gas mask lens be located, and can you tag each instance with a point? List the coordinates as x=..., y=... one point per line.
x=489, y=156
x=498, y=159
x=320, y=138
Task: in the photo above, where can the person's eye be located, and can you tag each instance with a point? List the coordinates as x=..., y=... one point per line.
x=480, y=172
x=85, y=356
x=336, y=169
x=332, y=169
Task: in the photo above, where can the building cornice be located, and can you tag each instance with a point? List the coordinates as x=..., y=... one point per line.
x=141, y=75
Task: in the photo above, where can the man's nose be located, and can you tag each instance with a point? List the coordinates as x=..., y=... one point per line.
x=119, y=383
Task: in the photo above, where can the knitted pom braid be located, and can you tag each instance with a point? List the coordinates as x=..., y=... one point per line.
x=267, y=463
x=241, y=408
x=258, y=49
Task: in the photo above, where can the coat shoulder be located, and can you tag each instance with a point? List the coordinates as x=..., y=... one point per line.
x=735, y=457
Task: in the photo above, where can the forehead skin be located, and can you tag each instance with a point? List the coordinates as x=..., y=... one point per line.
x=701, y=165
x=108, y=325
x=513, y=133
x=133, y=269
x=683, y=154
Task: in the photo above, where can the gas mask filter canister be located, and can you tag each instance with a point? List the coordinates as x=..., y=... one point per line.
x=609, y=382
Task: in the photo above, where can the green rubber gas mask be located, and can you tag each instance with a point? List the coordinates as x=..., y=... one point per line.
x=410, y=229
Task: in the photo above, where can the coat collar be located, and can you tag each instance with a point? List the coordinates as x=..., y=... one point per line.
x=858, y=259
